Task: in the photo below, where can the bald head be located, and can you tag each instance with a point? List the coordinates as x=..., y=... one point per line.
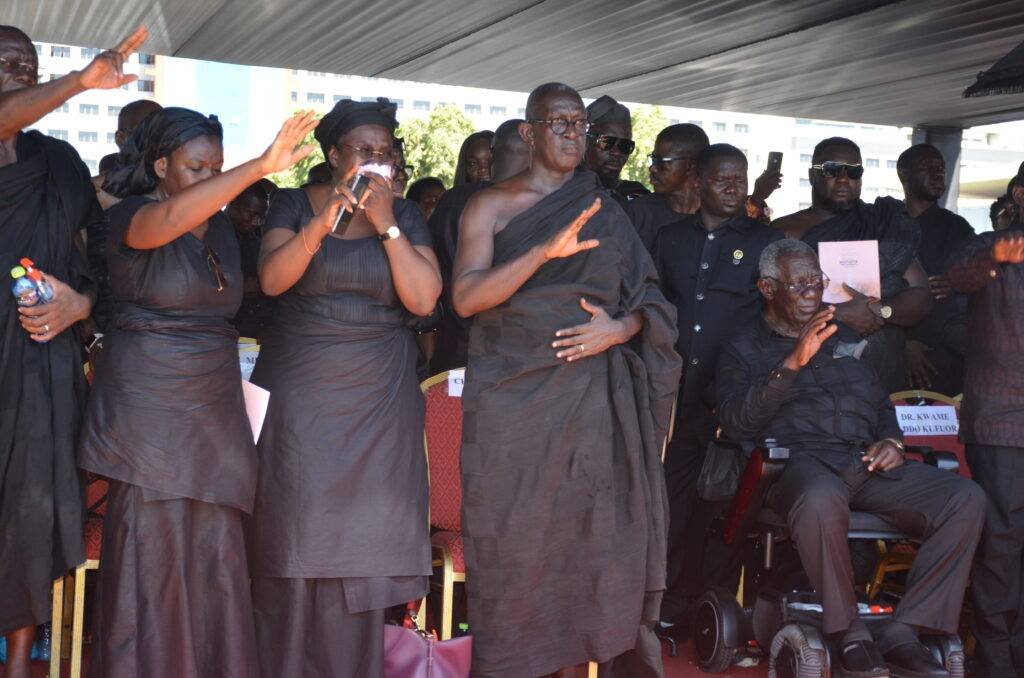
x=130, y=117
x=536, y=104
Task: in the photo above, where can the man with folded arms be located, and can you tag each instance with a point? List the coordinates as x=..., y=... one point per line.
x=795, y=375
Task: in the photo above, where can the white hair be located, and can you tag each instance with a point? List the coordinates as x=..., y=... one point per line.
x=768, y=264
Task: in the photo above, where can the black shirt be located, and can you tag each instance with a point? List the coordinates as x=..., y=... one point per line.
x=649, y=213
x=831, y=409
x=993, y=405
x=711, y=279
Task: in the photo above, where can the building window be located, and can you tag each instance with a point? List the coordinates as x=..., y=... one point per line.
x=718, y=126
x=498, y=111
x=63, y=108
x=698, y=123
x=88, y=137
x=111, y=137
x=805, y=158
x=339, y=97
x=61, y=134
x=890, y=164
x=147, y=59
x=88, y=109
x=113, y=110
x=421, y=105
x=673, y=121
x=804, y=182
x=39, y=48
x=872, y=162
x=60, y=51
x=740, y=128
x=90, y=52
x=803, y=121
x=314, y=98
x=94, y=167
x=474, y=109
x=371, y=100
x=146, y=85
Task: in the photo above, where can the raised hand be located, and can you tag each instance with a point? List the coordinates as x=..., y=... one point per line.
x=282, y=152
x=765, y=185
x=566, y=242
x=857, y=312
x=592, y=338
x=1009, y=250
x=106, y=71
x=811, y=338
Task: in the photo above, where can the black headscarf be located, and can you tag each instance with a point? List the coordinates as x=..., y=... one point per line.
x=347, y=115
x=158, y=135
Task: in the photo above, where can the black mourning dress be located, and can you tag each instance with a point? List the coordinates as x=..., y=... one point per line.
x=166, y=423
x=340, y=527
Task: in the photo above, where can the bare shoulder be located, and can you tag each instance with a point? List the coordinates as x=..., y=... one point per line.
x=795, y=225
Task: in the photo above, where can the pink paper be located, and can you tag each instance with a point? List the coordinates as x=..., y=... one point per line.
x=854, y=263
x=256, y=401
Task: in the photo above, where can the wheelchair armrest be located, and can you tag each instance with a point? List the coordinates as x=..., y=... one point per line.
x=764, y=466
x=940, y=459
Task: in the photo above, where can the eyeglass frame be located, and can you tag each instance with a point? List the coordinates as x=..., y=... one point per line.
x=801, y=288
x=383, y=157
x=600, y=139
x=555, y=121
x=844, y=167
x=213, y=264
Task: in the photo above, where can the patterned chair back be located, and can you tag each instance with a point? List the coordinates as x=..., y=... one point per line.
x=443, y=440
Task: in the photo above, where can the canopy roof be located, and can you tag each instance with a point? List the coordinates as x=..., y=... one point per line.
x=872, y=61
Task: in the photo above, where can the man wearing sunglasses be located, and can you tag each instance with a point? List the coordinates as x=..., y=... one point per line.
x=673, y=169
x=46, y=198
x=609, y=145
x=935, y=346
x=707, y=264
x=837, y=214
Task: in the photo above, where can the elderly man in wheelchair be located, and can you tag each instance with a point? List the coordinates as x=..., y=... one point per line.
x=795, y=376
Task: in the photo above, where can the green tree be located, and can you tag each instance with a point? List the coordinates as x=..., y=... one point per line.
x=295, y=176
x=432, y=144
x=647, y=122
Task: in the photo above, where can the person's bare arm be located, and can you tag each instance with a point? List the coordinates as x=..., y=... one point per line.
x=158, y=223
x=24, y=107
x=915, y=302
x=476, y=286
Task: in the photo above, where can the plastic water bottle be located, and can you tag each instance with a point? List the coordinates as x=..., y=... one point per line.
x=36, y=276
x=24, y=290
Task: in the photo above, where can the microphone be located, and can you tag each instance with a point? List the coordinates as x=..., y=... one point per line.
x=360, y=183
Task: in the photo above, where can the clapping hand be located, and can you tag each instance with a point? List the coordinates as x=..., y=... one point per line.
x=1009, y=250
x=106, y=71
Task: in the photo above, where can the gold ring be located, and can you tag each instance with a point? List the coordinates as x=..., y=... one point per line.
x=582, y=350
x=46, y=329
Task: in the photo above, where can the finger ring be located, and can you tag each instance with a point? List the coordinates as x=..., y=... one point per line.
x=582, y=349
x=46, y=329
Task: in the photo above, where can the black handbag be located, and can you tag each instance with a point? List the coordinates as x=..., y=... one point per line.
x=724, y=462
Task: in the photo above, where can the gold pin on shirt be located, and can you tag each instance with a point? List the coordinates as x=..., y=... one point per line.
x=737, y=256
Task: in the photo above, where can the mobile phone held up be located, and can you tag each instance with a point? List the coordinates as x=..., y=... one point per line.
x=775, y=161
x=358, y=187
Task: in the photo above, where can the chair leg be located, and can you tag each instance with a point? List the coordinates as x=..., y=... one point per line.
x=592, y=670
x=56, y=626
x=77, y=630
x=421, y=616
x=448, y=598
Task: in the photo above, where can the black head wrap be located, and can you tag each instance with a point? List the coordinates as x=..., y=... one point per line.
x=607, y=111
x=158, y=135
x=347, y=115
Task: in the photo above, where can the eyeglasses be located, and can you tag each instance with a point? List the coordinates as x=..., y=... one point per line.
x=818, y=284
x=15, y=67
x=561, y=125
x=612, y=144
x=383, y=157
x=660, y=161
x=831, y=169
x=213, y=263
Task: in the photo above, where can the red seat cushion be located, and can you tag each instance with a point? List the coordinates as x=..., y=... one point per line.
x=93, y=538
x=443, y=426
x=452, y=543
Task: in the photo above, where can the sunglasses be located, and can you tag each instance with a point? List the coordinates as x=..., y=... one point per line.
x=831, y=169
x=660, y=161
x=213, y=263
x=817, y=284
x=612, y=144
x=561, y=125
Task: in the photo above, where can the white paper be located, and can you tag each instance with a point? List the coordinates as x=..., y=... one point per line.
x=927, y=420
x=854, y=263
x=456, y=380
x=256, y=401
x=247, y=354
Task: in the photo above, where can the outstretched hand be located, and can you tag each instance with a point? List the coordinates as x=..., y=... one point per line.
x=566, y=242
x=812, y=336
x=106, y=71
x=282, y=152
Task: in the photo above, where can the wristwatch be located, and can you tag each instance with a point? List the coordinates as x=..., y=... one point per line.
x=885, y=311
x=390, y=234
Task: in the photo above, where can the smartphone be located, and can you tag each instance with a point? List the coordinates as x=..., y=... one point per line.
x=359, y=185
x=775, y=161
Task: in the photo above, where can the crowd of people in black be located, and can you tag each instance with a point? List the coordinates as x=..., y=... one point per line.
x=588, y=312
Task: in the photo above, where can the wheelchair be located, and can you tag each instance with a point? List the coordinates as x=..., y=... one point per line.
x=780, y=615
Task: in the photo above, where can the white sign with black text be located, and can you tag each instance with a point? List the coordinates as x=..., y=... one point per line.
x=927, y=420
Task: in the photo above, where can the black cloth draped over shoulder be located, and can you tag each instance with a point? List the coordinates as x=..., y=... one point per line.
x=167, y=412
x=564, y=506
x=343, y=485
x=45, y=199
x=898, y=236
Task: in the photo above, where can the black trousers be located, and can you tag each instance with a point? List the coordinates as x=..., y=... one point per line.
x=997, y=591
x=942, y=509
x=698, y=559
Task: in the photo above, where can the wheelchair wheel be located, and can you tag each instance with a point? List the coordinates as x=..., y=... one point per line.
x=797, y=652
x=716, y=630
x=949, y=652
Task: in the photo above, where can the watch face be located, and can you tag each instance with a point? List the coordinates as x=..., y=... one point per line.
x=885, y=312
x=393, y=232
